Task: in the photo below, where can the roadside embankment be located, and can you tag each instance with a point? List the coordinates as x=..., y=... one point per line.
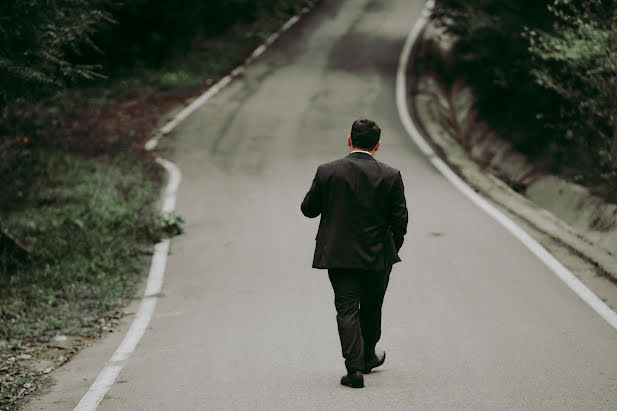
x=443, y=107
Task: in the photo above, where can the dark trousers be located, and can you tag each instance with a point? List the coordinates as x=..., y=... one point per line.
x=358, y=298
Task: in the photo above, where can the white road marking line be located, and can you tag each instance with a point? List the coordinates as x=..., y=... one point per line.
x=109, y=373
x=551, y=262
x=293, y=21
x=99, y=388
x=258, y=51
x=188, y=110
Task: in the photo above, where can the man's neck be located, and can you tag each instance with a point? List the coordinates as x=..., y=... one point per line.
x=357, y=150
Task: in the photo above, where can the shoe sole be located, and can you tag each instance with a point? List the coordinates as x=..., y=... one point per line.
x=348, y=383
x=352, y=385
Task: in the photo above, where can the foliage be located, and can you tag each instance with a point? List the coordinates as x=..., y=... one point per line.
x=149, y=32
x=577, y=59
x=168, y=225
x=36, y=39
x=493, y=55
x=45, y=46
x=544, y=72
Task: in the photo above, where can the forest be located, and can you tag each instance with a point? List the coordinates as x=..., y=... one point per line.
x=545, y=76
x=61, y=47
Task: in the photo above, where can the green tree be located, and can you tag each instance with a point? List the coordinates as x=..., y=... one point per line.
x=577, y=59
x=36, y=38
x=545, y=74
x=492, y=54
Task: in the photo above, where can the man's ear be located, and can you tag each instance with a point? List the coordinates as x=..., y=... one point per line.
x=377, y=145
x=349, y=141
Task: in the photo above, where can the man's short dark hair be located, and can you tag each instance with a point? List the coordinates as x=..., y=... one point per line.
x=365, y=134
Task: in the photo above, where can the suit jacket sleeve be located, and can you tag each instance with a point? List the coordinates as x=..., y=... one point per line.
x=398, y=212
x=311, y=206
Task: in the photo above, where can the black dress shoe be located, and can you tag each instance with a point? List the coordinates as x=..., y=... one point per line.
x=353, y=379
x=376, y=361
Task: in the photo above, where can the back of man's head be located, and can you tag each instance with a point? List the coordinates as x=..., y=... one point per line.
x=365, y=134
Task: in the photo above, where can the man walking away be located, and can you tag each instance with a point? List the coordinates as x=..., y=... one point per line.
x=363, y=222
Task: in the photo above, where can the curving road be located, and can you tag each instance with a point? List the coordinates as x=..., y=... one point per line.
x=472, y=320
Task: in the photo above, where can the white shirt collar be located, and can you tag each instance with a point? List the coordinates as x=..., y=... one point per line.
x=362, y=151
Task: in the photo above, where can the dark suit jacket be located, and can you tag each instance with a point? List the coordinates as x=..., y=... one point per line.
x=363, y=213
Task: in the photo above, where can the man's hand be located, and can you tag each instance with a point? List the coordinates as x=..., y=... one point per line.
x=398, y=212
x=311, y=206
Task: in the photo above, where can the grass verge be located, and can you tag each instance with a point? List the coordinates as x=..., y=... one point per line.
x=88, y=225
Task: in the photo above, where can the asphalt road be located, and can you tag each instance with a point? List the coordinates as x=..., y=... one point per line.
x=472, y=320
